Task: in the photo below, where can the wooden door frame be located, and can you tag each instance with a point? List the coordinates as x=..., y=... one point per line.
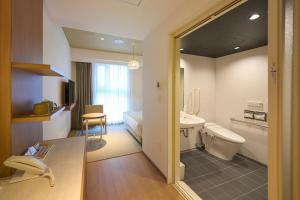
x=5, y=84
x=275, y=98
x=296, y=104
x=275, y=60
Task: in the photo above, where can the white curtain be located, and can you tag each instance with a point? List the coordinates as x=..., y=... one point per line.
x=110, y=88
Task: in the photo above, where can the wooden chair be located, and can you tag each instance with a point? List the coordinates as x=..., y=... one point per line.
x=94, y=122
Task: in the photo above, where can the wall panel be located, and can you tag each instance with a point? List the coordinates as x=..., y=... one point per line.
x=5, y=83
x=27, y=46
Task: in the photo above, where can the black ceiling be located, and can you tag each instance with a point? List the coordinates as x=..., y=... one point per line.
x=219, y=37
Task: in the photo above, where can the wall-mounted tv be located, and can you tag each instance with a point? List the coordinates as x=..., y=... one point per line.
x=69, y=93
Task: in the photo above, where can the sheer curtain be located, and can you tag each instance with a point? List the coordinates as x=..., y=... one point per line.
x=110, y=88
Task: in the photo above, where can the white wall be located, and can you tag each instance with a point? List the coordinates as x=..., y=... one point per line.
x=135, y=80
x=94, y=56
x=56, y=51
x=156, y=69
x=135, y=76
x=181, y=90
x=240, y=78
x=227, y=84
x=199, y=72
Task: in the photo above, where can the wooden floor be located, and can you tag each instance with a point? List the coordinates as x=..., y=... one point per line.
x=131, y=177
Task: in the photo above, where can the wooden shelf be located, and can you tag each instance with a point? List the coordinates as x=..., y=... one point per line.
x=37, y=118
x=40, y=69
x=68, y=108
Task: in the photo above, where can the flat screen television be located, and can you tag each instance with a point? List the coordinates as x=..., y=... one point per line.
x=69, y=93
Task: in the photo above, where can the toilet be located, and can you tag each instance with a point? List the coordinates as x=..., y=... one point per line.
x=221, y=142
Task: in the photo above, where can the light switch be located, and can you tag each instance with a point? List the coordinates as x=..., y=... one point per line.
x=160, y=98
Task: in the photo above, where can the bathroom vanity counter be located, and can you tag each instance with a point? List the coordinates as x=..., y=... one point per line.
x=67, y=160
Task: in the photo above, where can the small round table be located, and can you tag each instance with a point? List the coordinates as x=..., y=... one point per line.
x=90, y=116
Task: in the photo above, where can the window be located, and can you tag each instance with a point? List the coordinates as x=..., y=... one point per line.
x=110, y=88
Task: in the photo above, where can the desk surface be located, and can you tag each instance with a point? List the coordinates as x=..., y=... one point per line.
x=67, y=161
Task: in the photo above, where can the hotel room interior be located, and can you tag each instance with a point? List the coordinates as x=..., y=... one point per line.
x=149, y=99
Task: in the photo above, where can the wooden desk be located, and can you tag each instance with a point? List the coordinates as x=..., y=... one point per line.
x=67, y=160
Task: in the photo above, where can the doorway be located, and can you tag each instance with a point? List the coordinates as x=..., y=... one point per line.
x=272, y=85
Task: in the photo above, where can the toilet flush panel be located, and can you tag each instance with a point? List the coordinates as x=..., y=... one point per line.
x=255, y=105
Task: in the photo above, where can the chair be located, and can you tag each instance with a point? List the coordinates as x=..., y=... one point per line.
x=94, y=122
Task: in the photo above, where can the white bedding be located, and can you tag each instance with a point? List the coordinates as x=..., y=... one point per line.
x=134, y=120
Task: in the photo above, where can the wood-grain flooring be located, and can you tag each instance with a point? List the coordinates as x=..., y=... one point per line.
x=131, y=177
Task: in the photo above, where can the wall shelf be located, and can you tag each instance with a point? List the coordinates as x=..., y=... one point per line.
x=37, y=118
x=71, y=107
x=40, y=69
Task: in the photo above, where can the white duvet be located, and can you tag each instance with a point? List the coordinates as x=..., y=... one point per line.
x=134, y=120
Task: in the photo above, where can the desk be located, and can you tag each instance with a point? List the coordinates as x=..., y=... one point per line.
x=67, y=160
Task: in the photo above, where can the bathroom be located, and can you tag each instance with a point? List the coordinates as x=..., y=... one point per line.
x=224, y=105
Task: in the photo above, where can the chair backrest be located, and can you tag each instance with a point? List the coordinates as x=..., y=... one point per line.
x=93, y=109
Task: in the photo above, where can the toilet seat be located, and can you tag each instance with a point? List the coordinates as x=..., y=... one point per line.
x=223, y=133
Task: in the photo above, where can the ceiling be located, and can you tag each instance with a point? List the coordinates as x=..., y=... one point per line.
x=133, y=19
x=97, y=41
x=221, y=36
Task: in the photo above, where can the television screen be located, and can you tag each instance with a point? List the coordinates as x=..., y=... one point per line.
x=69, y=93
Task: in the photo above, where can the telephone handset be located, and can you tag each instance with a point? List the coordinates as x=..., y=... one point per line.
x=31, y=166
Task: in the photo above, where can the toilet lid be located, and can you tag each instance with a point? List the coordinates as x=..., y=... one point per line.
x=225, y=134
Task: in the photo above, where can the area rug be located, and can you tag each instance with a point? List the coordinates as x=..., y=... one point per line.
x=117, y=142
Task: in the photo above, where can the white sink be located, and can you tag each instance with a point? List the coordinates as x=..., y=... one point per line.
x=190, y=121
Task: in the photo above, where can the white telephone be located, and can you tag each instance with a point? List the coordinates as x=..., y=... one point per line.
x=33, y=167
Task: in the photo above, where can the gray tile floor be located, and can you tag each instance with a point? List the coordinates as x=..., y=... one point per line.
x=216, y=179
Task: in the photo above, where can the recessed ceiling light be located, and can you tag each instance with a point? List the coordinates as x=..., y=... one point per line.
x=254, y=16
x=119, y=41
x=181, y=49
x=102, y=39
x=236, y=48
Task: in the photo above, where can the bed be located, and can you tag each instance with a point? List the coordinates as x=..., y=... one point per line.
x=133, y=122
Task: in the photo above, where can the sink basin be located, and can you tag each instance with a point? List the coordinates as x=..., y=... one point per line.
x=190, y=121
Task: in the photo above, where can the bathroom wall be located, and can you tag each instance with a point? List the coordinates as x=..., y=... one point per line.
x=226, y=85
x=199, y=72
x=243, y=77
x=181, y=90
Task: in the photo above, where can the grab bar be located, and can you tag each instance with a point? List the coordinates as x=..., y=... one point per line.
x=258, y=124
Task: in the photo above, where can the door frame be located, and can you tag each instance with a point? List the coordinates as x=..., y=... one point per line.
x=5, y=84
x=296, y=104
x=275, y=60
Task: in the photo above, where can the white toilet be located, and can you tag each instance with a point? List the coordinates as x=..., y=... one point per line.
x=222, y=142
